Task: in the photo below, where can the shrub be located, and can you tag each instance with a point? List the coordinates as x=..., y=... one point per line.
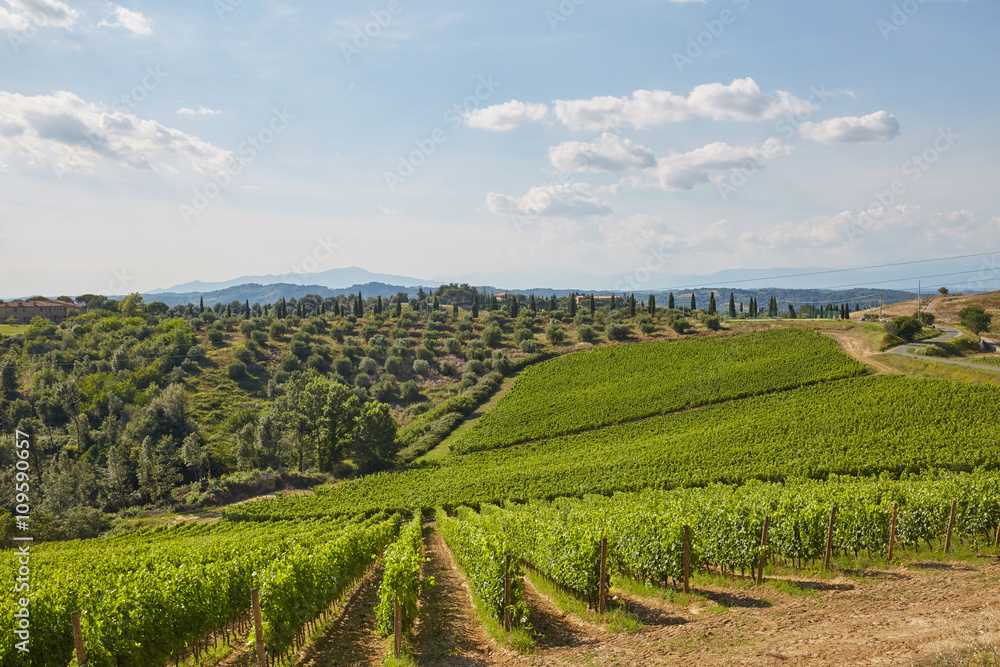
x=243, y=354
x=423, y=354
x=237, y=370
x=523, y=334
x=452, y=346
x=712, y=322
x=368, y=365
x=290, y=362
x=410, y=391
x=422, y=367
x=363, y=380
x=343, y=366
x=555, y=333
x=903, y=327
x=475, y=366
x=680, y=325
x=618, y=331
x=492, y=335
x=215, y=336
x=448, y=367
x=530, y=346
x=645, y=323
x=585, y=333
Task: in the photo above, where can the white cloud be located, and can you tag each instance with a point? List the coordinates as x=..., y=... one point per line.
x=684, y=171
x=200, y=111
x=742, y=100
x=879, y=126
x=389, y=211
x=131, y=20
x=506, y=116
x=39, y=13
x=65, y=130
x=570, y=200
x=609, y=153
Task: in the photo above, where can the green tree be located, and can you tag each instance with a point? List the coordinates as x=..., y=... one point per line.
x=592, y=304
x=975, y=319
x=712, y=310
x=555, y=333
x=652, y=305
x=572, y=305
x=475, y=305
x=374, y=438
x=732, y=305
x=192, y=454
x=694, y=303
x=943, y=290
x=327, y=411
x=201, y=305
x=631, y=305
x=670, y=301
x=131, y=305
x=903, y=327
x=531, y=304
x=436, y=306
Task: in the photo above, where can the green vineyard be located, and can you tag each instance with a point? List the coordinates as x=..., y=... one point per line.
x=861, y=426
x=620, y=383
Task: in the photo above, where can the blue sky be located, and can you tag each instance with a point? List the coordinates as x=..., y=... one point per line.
x=517, y=143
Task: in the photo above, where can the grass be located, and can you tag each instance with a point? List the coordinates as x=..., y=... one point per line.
x=616, y=617
x=12, y=329
x=918, y=367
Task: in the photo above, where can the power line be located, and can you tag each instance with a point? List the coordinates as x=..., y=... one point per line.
x=828, y=271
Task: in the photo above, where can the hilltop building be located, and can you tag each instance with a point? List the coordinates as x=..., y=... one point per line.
x=54, y=311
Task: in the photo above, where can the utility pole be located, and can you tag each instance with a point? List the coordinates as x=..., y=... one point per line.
x=880, y=306
x=918, y=303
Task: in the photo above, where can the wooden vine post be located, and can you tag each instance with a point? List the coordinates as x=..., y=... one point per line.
x=829, y=537
x=687, y=558
x=892, y=532
x=951, y=526
x=604, y=576
x=81, y=657
x=397, y=630
x=258, y=628
x=506, y=593
x=996, y=540
x=763, y=551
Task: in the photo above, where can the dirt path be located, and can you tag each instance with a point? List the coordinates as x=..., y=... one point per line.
x=447, y=631
x=857, y=348
x=890, y=617
x=351, y=639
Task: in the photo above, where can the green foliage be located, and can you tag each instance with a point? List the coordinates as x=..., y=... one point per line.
x=975, y=319
x=401, y=579
x=145, y=597
x=609, y=385
x=861, y=427
x=903, y=327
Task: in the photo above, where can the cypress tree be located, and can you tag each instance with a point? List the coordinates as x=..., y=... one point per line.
x=399, y=306
x=229, y=311
x=732, y=305
x=652, y=305
x=670, y=301
x=631, y=305
x=201, y=305
x=572, y=304
x=791, y=311
x=711, y=303
x=246, y=310
x=531, y=304
x=553, y=304
x=437, y=305
x=475, y=305
x=694, y=304
x=592, y=304
x=612, y=301
x=513, y=305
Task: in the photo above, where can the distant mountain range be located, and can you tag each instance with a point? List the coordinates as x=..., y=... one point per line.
x=262, y=294
x=332, y=279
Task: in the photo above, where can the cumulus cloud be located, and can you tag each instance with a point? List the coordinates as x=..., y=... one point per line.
x=570, y=200
x=879, y=126
x=20, y=14
x=684, y=171
x=609, y=153
x=65, y=130
x=200, y=111
x=130, y=20
x=742, y=100
x=506, y=116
